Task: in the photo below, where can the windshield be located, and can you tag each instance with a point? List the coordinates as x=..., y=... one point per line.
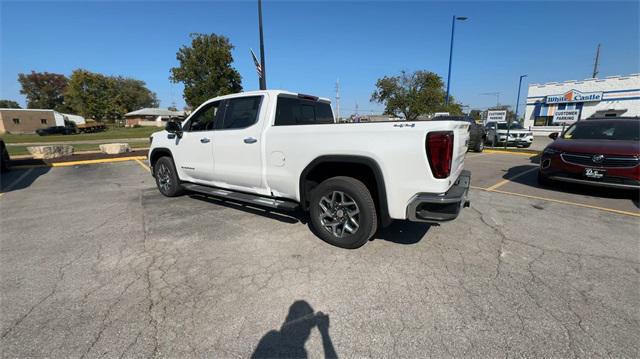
x=609, y=130
x=514, y=126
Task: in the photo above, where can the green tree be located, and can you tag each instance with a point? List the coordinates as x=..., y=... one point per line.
x=412, y=95
x=103, y=97
x=205, y=69
x=9, y=104
x=44, y=90
x=133, y=94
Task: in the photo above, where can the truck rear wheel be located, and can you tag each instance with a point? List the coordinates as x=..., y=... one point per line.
x=343, y=212
x=167, y=177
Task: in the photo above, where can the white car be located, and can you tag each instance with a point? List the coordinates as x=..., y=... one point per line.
x=518, y=136
x=283, y=150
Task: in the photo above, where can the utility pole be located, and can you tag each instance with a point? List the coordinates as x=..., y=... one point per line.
x=337, y=100
x=263, y=78
x=595, y=64
x=453, y=30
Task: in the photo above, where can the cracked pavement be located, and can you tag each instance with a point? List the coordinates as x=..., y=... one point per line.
x=94, y=262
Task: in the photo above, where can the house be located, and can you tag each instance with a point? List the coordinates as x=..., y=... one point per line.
x=152, y=117
x=20, y=121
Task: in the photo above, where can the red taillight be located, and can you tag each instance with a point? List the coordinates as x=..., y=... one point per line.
x=440, y=152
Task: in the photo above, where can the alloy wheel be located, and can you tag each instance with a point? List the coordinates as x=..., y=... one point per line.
x=339, y=214
x=164, y=178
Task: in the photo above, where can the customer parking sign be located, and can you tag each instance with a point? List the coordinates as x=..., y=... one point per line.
x=566, y=116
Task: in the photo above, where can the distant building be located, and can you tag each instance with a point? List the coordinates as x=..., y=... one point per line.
x=552, y=104
x=21, y=121
x=152, y=117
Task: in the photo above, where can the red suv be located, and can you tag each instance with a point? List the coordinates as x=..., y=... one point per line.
x=602, y=152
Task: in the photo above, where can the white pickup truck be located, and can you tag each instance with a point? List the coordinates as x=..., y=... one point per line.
x=284, y=150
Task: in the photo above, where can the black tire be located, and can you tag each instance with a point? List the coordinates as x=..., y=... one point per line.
x=167, y=177
x=366, y=217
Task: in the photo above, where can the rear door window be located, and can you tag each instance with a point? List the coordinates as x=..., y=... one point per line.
x=241, y=112
x=299, y=111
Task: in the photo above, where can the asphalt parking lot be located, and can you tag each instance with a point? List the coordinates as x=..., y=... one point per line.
x=94, y=262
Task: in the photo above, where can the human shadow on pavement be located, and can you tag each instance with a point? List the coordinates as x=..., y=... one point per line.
x=288, y=342
x=403, y=232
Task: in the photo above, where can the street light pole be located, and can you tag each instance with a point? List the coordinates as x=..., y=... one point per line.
x=263, y=78
x=517, y=106
x=453, y=30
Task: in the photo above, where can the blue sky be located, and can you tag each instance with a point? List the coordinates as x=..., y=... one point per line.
x=310, y=44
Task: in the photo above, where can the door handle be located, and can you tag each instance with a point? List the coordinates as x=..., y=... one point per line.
x=205, y=140
x=250, y=140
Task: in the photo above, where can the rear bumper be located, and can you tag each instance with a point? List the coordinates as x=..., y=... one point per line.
x=440, y=207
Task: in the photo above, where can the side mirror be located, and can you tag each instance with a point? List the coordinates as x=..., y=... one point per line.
x=174, y=127
x=553, y=136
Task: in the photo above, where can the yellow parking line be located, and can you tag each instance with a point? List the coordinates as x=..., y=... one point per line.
x=572, y=203
x=143, y=165
x=503, y=182
x=577, y=204
x=85, y=162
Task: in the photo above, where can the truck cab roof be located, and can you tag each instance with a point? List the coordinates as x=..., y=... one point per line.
x=274, y=93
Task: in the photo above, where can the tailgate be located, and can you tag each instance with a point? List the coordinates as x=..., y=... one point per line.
x=460, y=145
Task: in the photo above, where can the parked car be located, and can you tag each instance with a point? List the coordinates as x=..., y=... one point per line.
x=4, y=157
x=57, y=130
x=599, y=152
x=477, y=133
x=518, y=136
x=283, y=150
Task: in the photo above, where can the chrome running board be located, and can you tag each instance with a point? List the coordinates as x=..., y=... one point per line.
x=242, y=197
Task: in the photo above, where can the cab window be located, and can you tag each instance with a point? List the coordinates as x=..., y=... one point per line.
x=204, y=119
x=300, y=111
x=241, y=112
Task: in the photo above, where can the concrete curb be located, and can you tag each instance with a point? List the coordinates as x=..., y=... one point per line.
x=84, y=162
x=27, y=157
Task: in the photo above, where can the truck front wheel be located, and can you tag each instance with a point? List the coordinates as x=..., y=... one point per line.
x=167, y=178
x=343, y=213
